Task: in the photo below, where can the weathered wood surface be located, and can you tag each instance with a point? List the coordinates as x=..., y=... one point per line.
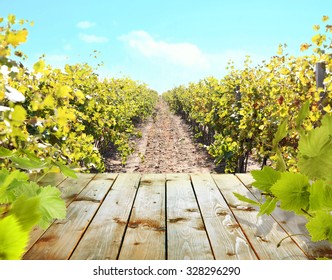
x=293, y=224
x=167, y=216
x=186, y=235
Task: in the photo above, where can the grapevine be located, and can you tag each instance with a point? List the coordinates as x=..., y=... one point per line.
x=54, y=120
x=239, y=115
x=273, y=111
x=307, y=192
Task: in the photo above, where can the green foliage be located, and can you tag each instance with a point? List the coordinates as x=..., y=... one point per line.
x=320, y=227
x=10, y=38
x=70, y=116
x=268, y=206
x=54, y=120
x=13, y=238
x=292, y=190
x=246, y=199
x=249, y=111
x=265, y=178
x=315, y=151
x=272, y=111
x=23, y=205
x=307, y=192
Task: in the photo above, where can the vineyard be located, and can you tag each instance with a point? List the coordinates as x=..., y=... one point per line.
x=239, y=115
x=55, y=120
x=278, y=113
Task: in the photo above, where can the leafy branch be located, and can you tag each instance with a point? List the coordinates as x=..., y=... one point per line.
x=307, y=192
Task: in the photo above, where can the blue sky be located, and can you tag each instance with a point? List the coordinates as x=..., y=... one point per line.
x=164, y=43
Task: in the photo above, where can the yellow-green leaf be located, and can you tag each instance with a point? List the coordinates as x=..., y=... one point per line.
x=320, y=227
x=19, y=114
x=13, y=239
x=39, y=66
x=318, y=39
x=63, y=92
x=49, y=102
x=18, y=37
x=11, y=18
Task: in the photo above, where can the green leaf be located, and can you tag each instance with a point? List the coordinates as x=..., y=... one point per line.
x=63, y=91
x=265, y=178
x=292, y=191
x=7, y=183
x=32, y=156
x=246, y=199
x=19, y=114
x=13, y=239
x=27, y=211
x=28, y=189
x=4, y=182
x=280, y=164
x=5, y=153
x=320, y=196
x=327, y=123
x=65, y=170
x=268, y=206
x=303, y=113
x=51, y=205
x=315, y=152
x=49, y=102
x=29, y=164
x=320, y=227
x=281, y=133
x=39, y=66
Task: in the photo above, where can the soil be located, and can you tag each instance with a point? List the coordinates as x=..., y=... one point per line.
x=167, y=145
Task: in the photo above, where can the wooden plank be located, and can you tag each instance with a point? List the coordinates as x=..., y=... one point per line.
x=69, y=187
x=294, y=224
x=177, y=176
x=226, y=238
x=186, y=235
x=60, y=239
x=145, y=237
x=103, y=238
x=52, y=178
x=245, y=178
x=263, y=232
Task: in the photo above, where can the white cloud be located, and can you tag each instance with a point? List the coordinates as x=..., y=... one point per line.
x=92, y=38
x=85, y=24
x=181, y=54
x=164, y=65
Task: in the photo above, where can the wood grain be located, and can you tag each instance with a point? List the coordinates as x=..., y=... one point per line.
x=172, y=216
x=186, y=235
x=69, y=188
x=104, y=236
x=61, y=238
x=293, y=224
x=263, y=232
x=145, y=237
x=226, y=238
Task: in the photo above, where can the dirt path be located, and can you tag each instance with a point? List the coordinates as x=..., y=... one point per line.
x=166, y=146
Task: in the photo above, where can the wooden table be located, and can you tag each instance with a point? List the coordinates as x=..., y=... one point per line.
x=168, y=216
